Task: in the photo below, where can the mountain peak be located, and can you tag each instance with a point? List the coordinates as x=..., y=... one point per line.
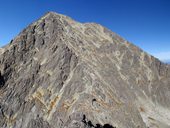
x=61, y=73
x=51, y=13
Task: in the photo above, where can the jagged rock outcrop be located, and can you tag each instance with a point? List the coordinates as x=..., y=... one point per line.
x=58, y=73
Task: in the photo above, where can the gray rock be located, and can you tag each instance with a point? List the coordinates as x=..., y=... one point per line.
x=59, y=73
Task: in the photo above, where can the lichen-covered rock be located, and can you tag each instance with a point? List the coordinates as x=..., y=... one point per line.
x=58, y=73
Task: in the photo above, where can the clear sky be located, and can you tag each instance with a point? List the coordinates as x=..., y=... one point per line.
x=146, y=23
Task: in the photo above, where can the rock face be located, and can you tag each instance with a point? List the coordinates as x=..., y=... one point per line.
x=58, y=73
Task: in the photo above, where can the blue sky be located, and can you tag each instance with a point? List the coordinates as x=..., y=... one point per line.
x=146, y=23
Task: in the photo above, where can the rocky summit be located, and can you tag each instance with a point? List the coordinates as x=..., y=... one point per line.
x=59, y=73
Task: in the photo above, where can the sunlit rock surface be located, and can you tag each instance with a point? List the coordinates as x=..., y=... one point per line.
x=58, y=73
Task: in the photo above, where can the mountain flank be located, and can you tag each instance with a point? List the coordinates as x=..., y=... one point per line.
x=59, y=73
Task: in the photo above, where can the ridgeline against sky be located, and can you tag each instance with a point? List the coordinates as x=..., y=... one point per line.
x=146, y=23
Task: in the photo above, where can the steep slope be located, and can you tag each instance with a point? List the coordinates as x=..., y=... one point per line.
x=58, y=73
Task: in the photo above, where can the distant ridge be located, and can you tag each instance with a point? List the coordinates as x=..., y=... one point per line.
x=167, y=61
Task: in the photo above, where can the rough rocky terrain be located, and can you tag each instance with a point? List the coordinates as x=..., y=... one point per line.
x=59, y=73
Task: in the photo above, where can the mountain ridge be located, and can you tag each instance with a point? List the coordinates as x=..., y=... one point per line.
x=60, y=73
x=92, y=23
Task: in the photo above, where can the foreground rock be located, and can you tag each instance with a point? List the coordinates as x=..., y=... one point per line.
x=58, y=73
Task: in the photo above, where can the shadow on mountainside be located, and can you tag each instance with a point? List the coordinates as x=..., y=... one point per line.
x=89, y=124
x=2, y=81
